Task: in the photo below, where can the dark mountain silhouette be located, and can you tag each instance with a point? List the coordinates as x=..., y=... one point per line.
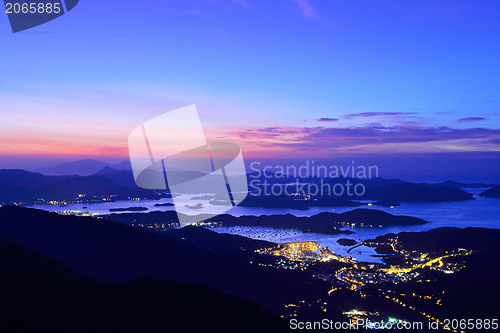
x=326, y=223
x=409, y=192
x=378, y=217
x=451, y=183
x=113, y=252
x=150, y=218
x=376, y=189
x=84, y=167
x=123, y=165
x=493, y=192
x=106, y=170
x=40, y=294
x=123, y=177
x=284, y=201
x=30, y=194
x=20, y=261
x=28, y=187
x=101, y=186
x=22, y=178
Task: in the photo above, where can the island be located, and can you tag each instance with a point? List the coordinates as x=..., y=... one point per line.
x=346, y=242
x=166, y=204
x=299, y=203
x=129, y=209
x=322, y=223
x=386, y=203
x=493, y=192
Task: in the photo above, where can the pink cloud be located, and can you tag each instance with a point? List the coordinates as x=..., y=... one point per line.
x=378, y=114
x=470, y=119
x=328, y=119
x=294, y=141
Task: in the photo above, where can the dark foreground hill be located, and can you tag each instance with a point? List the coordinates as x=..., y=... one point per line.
x=39, y=294
x=117, y=253
x=472, y=292
x=113, y=252
x=203, y=238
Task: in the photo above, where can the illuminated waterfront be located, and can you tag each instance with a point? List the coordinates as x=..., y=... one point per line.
x=360, y=278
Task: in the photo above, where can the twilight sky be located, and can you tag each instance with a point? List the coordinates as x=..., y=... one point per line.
x=284, y=79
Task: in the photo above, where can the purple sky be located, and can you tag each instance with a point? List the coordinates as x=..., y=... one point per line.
x=287, y=79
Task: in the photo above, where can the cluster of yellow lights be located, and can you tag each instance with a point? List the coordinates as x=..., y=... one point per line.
x=438, y=260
